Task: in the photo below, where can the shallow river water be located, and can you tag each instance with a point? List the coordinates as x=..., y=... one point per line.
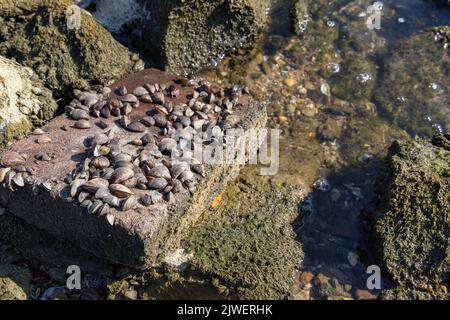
x=341, y=93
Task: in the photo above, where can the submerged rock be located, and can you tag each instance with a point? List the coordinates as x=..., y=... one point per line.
x=45, y=36
x=24, y=101
x=415, y=89
x=411, y=216
x=184, y=36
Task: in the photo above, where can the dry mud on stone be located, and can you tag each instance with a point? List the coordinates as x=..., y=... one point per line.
x=43, y=183
x=24, y=102
x=36, y=34
x=185, y=36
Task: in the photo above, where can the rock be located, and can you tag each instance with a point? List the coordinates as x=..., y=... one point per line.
x=303, y=294
x=24, y=102
x=418, y=100
x=331, y=129
x=64, y=58
x=364, y=295
x=14, y=282
x=399, y=293
x=305, y=278
x=410, y=215
x=185, y=36
x=444, y=3
x=247, y=241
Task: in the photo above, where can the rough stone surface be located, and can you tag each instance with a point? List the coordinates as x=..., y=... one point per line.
x=24, y=101
x=411, y=215
x=247, y=244
x=36, y=34
x=185, y=36
x=14, y=282
x=412, y=294
x=138, y=238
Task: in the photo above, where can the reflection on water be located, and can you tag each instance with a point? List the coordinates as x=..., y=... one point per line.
x=341, y=93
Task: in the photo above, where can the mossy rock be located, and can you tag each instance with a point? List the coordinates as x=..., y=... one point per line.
x=246, y=245
x=14, y=282
x=411, y=215
x=36, y=34
x=188, y=36
x=416, y=85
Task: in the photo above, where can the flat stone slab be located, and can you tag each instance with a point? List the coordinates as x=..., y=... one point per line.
x=135, y=233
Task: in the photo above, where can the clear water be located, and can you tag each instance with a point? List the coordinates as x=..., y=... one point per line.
x=337, y=149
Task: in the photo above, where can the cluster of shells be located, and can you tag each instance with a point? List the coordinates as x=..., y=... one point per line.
x=125, y=173
x=13, y=172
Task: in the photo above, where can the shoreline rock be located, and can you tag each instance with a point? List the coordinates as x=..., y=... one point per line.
x=411, y=216
x=184, y=37
x=63, y=58
x=14, y=282
x=24, y=101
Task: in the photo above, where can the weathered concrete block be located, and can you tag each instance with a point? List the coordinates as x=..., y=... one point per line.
x=140, y=236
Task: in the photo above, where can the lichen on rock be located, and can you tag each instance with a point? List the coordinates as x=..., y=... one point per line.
x=36, y=34
x=24, y=101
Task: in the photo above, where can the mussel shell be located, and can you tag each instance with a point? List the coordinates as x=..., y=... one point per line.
x=157, y=183
x=160, y=171
x=122, y=174
x=100, y=162
x=120, y=191
x=130, y=203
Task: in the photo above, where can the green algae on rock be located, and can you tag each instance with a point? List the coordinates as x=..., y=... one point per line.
x=24, y=101
x=35, y=34
x=247, y=244
x=415, y=88
x=411, y=215
x=188, y=36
